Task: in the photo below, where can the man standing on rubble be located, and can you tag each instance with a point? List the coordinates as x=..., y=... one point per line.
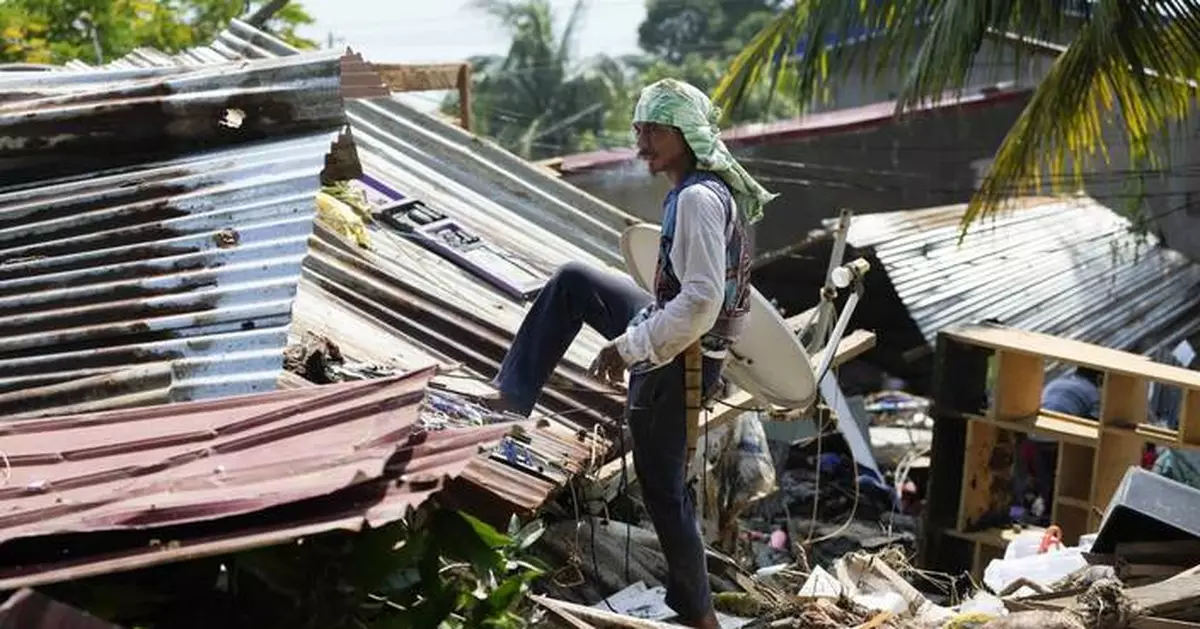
x=701, y=295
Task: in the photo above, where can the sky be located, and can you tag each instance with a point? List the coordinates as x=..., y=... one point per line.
x=428, y=31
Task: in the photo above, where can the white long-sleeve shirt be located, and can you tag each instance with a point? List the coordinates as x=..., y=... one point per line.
x=698, y=258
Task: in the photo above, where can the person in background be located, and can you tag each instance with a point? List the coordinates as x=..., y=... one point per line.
x=1075, y=393
x=701, y=295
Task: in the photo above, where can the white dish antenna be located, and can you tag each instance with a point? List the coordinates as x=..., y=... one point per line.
x=769, y=362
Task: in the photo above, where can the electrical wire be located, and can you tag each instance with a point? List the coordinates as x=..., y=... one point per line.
x=816, y=489
x=623, y=487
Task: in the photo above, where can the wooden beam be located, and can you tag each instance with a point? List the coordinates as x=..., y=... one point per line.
x=464, y=96
x=1052, y=348
x=599, y=617
x=567, y=617
x=404, y=77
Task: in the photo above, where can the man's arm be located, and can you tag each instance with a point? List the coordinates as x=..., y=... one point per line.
x=698, y=257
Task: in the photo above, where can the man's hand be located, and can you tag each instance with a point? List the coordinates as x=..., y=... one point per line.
x=609, y=367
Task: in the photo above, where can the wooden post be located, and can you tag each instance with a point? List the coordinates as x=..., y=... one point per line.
x=464, y=96
x=693, y=381
x=432, y=77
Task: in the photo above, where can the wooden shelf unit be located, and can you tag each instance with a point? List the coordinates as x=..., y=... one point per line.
x=973, y=439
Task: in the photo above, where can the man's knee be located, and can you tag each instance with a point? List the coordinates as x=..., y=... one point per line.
x=573, y=274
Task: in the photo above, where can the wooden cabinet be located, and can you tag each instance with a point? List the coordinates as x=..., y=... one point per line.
x=987, y=389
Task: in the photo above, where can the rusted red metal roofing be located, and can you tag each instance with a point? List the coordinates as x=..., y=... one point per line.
x=175, y=464
x=559, y=455
x=192, y=479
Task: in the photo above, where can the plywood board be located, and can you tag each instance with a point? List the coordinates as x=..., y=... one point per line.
x=982, y=439
x=1189, y=418
x=1018, y=392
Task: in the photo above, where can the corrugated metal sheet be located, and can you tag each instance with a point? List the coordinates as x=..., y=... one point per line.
x=175, y=464
x=511, y=202
x=186, y=265
x=352, y=297
x=516, y=205
x=523, y=201
x=405, y=307
x=238, y=42
x=231, y=474
x=446, y=313
x=1069, y=268
x=70, y=123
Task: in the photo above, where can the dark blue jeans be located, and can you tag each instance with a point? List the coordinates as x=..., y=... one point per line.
x=655, y=409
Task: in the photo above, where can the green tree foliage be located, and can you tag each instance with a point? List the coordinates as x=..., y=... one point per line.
x=1135, y=59
x=56, y=31
x=538, y=100
x=441, y=569
x=694, y=40
x=712, y=29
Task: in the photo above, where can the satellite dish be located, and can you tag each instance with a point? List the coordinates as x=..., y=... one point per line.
x=768, y=361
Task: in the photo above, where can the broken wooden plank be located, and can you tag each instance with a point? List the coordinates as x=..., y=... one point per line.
x=878, y=620
x=599, y=617
x=567, y=617
x=1151, y=622
x=1133, y=570
x=408, y=77
x=1178, y=592
x=1163, y=597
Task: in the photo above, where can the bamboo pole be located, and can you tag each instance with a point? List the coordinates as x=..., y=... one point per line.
x=694, y=384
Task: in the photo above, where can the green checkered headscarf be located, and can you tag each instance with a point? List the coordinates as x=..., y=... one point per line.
x=677, y=104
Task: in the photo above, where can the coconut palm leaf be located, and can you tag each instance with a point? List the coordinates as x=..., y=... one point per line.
x=1130, y=60
x=538, y=99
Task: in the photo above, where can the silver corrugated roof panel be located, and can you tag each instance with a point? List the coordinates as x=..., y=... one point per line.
x=520, y=207
x=520, y=201
x=95, y=120
x=444, y=313
x=1065, y=267
x=188, y=260
x=516, y=202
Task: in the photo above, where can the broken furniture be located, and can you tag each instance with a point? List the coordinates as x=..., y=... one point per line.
x=969, y=496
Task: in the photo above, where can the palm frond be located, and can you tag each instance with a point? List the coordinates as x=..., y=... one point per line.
x=837, y=38
x=567, y=39
x=957, y=31
x=758, y=61
x=1128, y=59
x=1127, y=64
